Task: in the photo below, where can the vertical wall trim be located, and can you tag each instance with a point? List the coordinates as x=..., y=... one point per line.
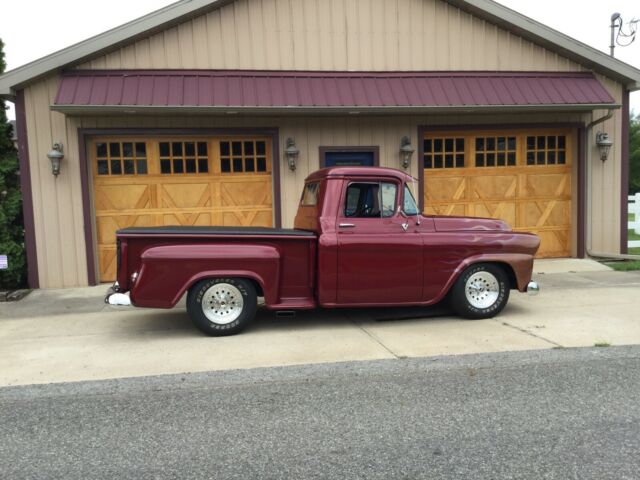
x=27, y=195
x=582, y=186
x=87, y=213
x=624, y=173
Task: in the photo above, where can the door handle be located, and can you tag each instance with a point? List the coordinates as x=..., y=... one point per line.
x=347, y=225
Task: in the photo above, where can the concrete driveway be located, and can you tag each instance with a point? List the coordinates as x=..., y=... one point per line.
x=70, y=335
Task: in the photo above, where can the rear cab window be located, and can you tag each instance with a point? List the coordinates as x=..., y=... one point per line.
x=310, y=195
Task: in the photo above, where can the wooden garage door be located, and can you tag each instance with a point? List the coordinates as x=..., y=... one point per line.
x=178, y=181
x=522, y=177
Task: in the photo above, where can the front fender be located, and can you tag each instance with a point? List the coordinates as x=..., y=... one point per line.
x=168, y=271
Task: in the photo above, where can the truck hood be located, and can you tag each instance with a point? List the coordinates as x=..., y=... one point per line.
x=459, y=224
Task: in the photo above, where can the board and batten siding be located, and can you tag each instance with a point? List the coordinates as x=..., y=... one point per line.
x=358, y=35
x=299, y=35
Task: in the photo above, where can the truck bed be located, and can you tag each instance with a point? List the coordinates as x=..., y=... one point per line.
x=222, y=231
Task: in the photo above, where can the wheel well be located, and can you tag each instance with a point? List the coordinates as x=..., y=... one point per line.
x=255, y=283
x=513, y=282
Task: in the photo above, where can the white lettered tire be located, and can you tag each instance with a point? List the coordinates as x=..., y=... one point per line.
x=222, y=306
x=481, y=291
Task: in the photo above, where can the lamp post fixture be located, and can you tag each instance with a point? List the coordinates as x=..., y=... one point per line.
x=604, y=144
x=291, y=153
x=406, y=151
x=56, y=156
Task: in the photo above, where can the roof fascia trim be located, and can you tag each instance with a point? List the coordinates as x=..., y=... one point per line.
x=105, y=42
x=550, y=38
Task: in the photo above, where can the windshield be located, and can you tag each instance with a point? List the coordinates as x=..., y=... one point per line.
x=409, y=206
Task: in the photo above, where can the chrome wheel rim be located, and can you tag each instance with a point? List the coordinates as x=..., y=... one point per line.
x=482, y=290
x=222, y=303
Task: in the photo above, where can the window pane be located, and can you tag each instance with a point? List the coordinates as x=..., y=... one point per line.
x=459, y=160
x=459, y=144
x=262, y=165
x=224, y=149
x=479, y=160
x=480, y=144
x=511, y=158
x=561, y=157
x=427, y=145
x=225, y=165
x=551, y=142
x=141, y=166
x=164, y=149
x=491, y=159
x=191, y=165
x=248, y=148
x=448, y=161
x=501, y=160
x=511, y=143
x=237, y=148
x=448, y=144
x=437, y=145
x=531, y=143
x=203, y=165
x=190, y=149
x=103, y=167
x=129, y=168
x=261, y=148
x=114, y=149
x=531, y=160
x=491, y=143
x=116, y=167
x=388, y=199
x=540, y=158
x=141, y=149
x=178, y=166
x=310, y=194
x=409, y=204
x=202, y=149
x=437, y=161
x=502, y=144
x=165, y=166
x=176, y=149
x=101, y=149
x=248, y=165
x=561, y=141
x=237, y=164
x=428, y=163
x=541, y=143
x=127, y=150
x=551, y=158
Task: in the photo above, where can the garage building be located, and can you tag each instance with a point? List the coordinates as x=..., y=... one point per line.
x=192, y=115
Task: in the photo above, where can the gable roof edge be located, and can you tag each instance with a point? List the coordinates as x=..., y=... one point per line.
x=547, y=37
x=104, y=42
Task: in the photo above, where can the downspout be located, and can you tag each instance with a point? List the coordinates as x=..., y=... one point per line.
x=590, y=252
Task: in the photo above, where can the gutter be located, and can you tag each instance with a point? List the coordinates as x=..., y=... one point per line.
x=589, y=199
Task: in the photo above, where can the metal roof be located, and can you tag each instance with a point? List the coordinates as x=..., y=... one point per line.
x=234, y=90
x=185, y=9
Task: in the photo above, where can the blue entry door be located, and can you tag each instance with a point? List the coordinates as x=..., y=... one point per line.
x=348, y=159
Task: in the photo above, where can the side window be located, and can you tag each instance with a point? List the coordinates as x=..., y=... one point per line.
x=310, y=195
x=370, y=200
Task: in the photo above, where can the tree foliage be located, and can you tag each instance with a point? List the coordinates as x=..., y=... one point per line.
x=11, y=223
x=634, y=154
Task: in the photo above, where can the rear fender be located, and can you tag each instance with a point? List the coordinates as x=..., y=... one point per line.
x=168, y=271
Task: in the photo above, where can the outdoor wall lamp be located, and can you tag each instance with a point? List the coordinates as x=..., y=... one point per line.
x=56, y=156
x=604, y=144
x=291, y=153
x=406, y=151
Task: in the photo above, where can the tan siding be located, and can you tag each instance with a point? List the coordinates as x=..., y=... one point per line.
x=335, y=35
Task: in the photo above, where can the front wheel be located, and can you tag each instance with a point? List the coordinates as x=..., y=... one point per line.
x=222, y=306
x=481, y=291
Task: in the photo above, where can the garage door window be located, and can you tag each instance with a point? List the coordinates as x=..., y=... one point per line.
x=121, y=158
x=183, y=157
x=444, y=152
x=546, y=150
x=243, y=156
x=495, y=151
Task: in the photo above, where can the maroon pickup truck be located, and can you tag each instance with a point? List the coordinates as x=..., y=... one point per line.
x=358, y=241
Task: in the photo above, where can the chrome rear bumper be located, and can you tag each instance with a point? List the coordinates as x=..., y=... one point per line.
x=533, y=288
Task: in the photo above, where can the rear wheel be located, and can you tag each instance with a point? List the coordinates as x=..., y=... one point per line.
x=222, y=306
x=481, y=291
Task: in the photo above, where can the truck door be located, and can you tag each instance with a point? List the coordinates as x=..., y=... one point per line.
x=379, y=253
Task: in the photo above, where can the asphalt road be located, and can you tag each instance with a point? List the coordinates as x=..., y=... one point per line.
x=565, y=414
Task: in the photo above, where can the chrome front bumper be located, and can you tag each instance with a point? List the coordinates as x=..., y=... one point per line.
x=533, y=288
x=114, y=297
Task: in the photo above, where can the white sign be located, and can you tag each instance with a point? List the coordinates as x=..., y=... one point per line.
x=4, y=263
